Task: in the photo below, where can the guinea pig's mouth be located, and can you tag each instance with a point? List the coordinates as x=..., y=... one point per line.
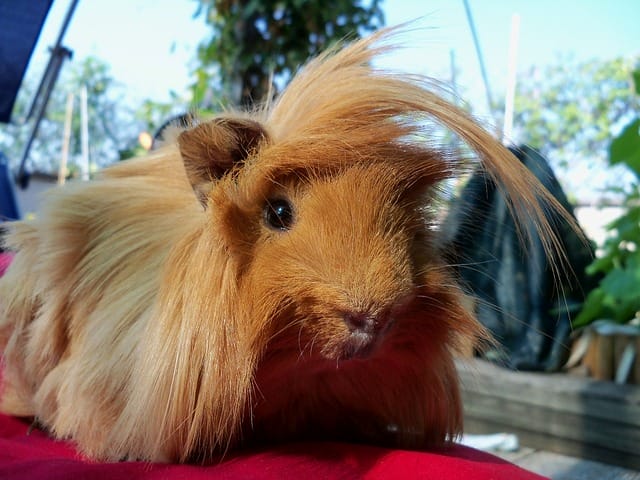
x=368, y=330
x=359, y=346
x=363, y=343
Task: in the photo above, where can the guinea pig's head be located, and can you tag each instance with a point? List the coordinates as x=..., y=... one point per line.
x=333, y=245
x=324, y=204
x=335, y=255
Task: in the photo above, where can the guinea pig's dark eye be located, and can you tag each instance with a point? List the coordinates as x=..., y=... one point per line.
x=278, y=214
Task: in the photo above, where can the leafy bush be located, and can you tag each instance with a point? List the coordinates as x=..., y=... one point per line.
x=617, y=297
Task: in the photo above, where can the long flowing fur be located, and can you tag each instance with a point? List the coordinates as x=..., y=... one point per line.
x=153, y=313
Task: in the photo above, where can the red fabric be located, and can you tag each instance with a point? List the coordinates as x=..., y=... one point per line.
x=5, y=260
x=35, y=456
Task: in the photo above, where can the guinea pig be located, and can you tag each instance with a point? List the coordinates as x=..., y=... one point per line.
x=265, y=276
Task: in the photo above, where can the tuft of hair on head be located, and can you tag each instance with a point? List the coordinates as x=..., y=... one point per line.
x=341, y=97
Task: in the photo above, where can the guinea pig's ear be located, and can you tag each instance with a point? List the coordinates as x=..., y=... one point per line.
x=211, y=149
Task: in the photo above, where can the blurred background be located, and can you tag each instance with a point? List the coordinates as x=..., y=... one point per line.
x=145, y=60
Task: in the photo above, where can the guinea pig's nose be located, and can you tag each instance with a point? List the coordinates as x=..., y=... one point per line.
x=364, y=322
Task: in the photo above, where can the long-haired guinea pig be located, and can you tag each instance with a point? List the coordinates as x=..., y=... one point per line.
x=267, y=276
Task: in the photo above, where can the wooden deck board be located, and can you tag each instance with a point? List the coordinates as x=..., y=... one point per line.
x=586, y=419
x=562, y=467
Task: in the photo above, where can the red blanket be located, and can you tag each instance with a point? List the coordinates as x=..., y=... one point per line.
x=35, y=456
x=5, y=261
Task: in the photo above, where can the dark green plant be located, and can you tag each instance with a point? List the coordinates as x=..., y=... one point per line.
x=253, y=41
x=617, y=297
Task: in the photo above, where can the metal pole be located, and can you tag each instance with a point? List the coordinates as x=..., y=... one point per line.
x=40, y=101
x=48, y=80
x=476, y=42
x=56, y=64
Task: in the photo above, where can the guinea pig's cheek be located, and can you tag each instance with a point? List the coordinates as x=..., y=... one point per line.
x=329, y=338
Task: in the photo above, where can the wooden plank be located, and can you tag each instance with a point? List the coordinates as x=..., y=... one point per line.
x=562, y=467
x=540, y=441
x=515, y=457
x=558, y=412
x=581, y=428
x=561, y=392
x=570, y=383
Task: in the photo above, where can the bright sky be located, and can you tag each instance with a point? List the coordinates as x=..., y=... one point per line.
x=151, y=44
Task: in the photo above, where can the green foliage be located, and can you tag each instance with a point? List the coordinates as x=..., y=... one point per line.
x=617, y=297
x=625, y=149
x=154, y=114
x=253, y=42
x=569, y=111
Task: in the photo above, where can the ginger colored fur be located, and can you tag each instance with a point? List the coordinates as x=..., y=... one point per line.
x=154, y=313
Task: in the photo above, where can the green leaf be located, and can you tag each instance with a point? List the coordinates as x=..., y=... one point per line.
x=616, y=297
x=591, y=309
x=626, y=147
x=603, y=264
x=636, y=80
x=622, y=283
x=627, y=226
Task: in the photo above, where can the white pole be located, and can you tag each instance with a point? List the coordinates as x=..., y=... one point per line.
x=62, y=170
x=507, y=129
x=84, y=132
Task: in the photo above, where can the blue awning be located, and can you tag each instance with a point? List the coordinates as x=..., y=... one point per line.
x=20, y=25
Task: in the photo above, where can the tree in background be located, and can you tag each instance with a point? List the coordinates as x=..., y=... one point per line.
x=253, y=41
x=250, y=41
x=112, y=126
x=570, y=112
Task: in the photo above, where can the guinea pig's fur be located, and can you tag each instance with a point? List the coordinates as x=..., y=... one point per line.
x=267, y=276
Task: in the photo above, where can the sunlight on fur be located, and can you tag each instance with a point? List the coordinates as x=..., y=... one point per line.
x=266, y=276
